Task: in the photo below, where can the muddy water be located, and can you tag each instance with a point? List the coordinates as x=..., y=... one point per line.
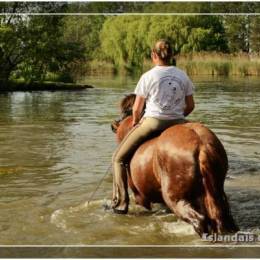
x=56, y=147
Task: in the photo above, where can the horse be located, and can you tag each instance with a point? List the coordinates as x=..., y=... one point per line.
x=183, y=167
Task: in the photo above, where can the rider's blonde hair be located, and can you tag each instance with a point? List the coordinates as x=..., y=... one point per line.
x=164, y=51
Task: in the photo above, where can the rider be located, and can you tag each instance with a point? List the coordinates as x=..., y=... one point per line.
x=168, y=94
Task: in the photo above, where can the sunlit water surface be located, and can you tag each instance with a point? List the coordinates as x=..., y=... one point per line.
x=57, y=146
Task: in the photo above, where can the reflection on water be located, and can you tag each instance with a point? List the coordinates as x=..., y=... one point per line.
x=56, y=147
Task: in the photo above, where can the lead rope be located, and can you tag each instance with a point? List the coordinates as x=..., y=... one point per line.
x=99, y=184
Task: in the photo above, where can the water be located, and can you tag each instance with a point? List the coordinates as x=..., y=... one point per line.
x=56, y=147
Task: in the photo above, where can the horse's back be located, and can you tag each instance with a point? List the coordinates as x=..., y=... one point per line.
x=177, y=138
x=192, y=149
x=193, y=136
x=197, y=139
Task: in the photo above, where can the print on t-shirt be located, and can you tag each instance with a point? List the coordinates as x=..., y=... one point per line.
x=169, y=93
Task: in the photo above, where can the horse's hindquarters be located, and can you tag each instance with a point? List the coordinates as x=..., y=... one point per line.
x=177, y=151
x=180, y=167
x=198, y=184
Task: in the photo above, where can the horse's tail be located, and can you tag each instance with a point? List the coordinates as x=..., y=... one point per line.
x=213, y=167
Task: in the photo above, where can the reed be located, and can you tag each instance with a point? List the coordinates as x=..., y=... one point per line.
x=220, y=64
x=202, y=63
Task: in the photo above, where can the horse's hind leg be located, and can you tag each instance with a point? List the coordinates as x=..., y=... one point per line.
x=186, y=212
x=142, y=201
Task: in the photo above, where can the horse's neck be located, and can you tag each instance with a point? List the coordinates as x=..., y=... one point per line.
x=124, y=128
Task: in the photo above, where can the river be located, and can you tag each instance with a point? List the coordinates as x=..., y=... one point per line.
x=57, y=146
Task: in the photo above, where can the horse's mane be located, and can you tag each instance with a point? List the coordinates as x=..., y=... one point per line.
x=127, y=103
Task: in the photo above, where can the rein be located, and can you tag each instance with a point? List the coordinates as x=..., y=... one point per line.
x=98, y=185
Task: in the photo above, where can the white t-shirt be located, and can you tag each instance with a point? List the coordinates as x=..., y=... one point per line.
x=165, y=89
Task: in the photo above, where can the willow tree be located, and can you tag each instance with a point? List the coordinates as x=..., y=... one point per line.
x=84, y=30
x=127, y=40
x=123, y=40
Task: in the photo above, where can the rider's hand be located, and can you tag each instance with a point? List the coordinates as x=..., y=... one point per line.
x=134, y=123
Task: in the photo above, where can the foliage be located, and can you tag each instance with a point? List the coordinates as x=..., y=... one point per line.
x=127, y=40
x=254, y=38
x=237, y=33
x=30, y=46
x=84, y=30
x=33, y=47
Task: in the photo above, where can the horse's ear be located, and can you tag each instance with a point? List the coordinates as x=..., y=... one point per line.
x=114, y=125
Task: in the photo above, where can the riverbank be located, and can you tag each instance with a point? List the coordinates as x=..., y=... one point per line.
x=6, y=86
x=197, y=64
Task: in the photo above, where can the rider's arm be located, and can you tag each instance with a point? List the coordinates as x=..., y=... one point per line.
x=137, y=109
x=190, y=104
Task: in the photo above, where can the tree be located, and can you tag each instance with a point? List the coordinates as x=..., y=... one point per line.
x=30, y=46
x=254, y=37
x=84, y=30
x=237, y=32
x=10, y=54
x=46, y=50
x=128, y=40
x=205, y=33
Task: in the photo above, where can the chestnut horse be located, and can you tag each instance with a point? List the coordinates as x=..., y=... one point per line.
x=184, y=167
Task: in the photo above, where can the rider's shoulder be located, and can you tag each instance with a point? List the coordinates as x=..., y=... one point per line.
x=148, y=75
x=150, y=72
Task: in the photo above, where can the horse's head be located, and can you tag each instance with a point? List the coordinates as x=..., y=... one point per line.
x=123, y=125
